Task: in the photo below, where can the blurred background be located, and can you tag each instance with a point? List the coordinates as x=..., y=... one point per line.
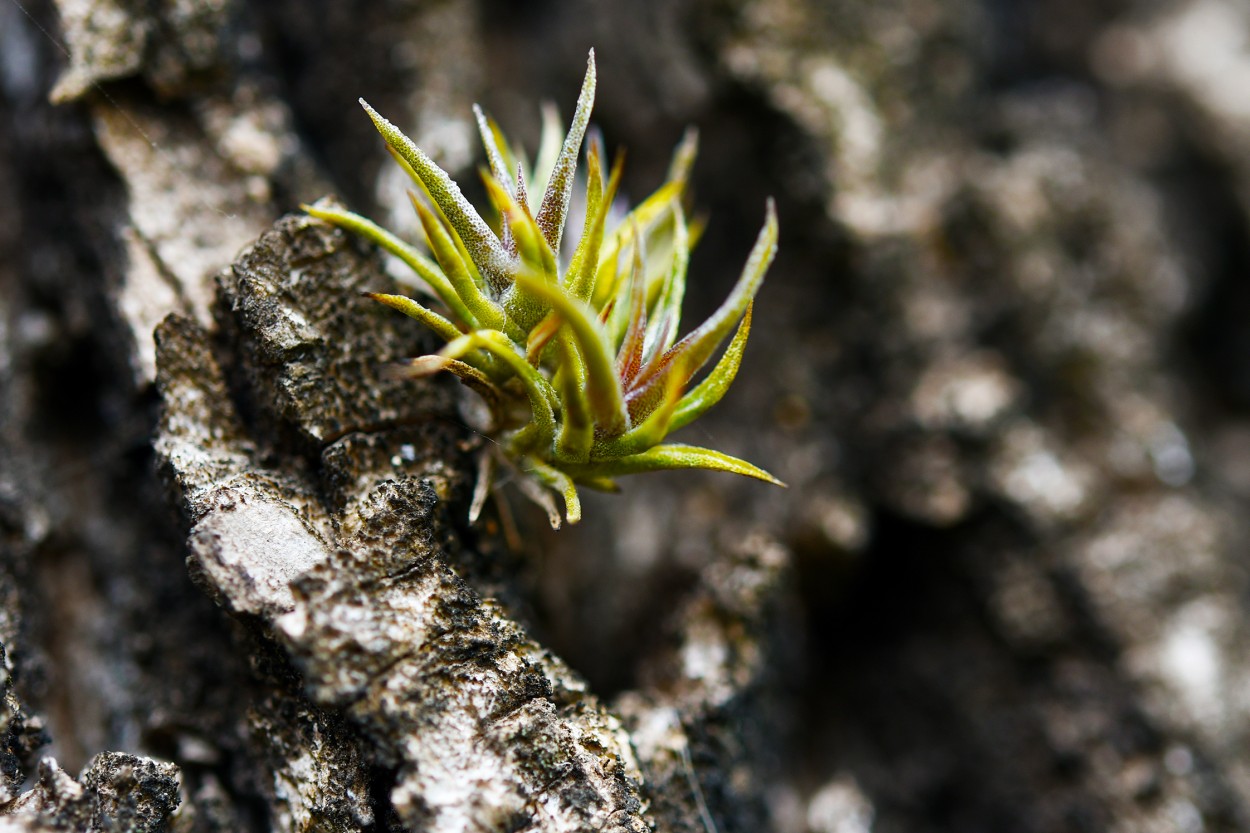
x=1002, y=361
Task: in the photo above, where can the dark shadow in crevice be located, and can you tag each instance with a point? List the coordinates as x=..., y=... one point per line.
x=1206, y=215
x=915, y=691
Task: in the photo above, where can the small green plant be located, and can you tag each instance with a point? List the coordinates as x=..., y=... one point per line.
x=574, y=349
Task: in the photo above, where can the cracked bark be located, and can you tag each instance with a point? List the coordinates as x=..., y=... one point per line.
x=344, y=551
x=1005, y=589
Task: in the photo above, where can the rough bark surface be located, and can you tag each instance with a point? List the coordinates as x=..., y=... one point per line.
x=1001, y=360
x=327, y=522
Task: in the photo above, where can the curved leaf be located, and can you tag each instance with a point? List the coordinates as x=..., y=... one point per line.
x=671, y=456
x=425, y=269
x=536, y=387
x=708, y=392
x=441, y=326
x=559, y=481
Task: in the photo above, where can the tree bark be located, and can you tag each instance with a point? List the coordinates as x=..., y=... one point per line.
x=1000, y=360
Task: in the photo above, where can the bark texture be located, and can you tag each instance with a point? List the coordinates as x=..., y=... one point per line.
x=1001, y=360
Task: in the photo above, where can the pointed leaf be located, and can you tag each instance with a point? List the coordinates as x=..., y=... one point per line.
x=523, y=308
x=584, y=267
x=594, y=205
x=445, y=330
x=666, y=319
x=521, y=195
x=533, y=249
x=671, y=456
x=646, y=216
x=498, y=166
x=511, y=159
x=634, y=325
x=484, y=247
x=555, y=204
x=698, y=346
x=465, y=257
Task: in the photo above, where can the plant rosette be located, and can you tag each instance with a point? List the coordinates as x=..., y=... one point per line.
x=573, y=348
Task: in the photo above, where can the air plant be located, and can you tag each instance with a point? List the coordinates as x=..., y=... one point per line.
x=573, y=348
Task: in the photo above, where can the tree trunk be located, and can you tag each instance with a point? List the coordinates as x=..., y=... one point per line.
x=1000, y=360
